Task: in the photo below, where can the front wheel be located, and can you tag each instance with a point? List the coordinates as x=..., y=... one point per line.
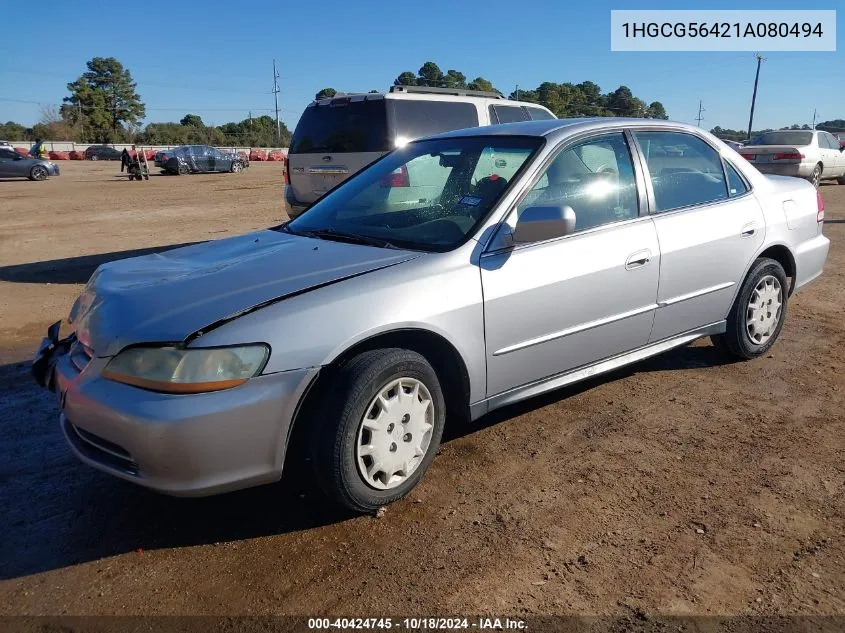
x=39, y=172
x=95, y=157
x=236, y=166
x=757, y=316
x=380, y=429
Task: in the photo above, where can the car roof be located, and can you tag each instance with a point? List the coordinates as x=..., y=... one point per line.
x=562, y=127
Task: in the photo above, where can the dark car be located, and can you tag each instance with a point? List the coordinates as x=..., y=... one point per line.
x=161, y=156
x=195, y=159
x=102, y=152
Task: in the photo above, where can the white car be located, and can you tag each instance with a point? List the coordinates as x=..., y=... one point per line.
x=811, y=154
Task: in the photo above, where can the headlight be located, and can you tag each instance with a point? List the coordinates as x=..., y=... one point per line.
x=194, y=370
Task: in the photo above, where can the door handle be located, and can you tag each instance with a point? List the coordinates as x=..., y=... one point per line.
x=640, y=258
x=749, y=229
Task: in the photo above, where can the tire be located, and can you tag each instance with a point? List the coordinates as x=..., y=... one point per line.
x=94, y=157
x=38, y=172
x=816, y=176
x=841, y=180
x=183, y=169
x=344, y=450
x=236, y=166
x=745, y=339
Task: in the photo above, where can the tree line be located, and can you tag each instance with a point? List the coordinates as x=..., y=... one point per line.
x=104, y=107
x=727, y=134
x=564, y=99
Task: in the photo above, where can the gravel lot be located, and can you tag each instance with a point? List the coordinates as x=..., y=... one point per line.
x=681, y=485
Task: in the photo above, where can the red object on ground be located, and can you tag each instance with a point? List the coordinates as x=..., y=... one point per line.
x=58, y=155
x=76, y=155
x=276, y=155
x=257, y=154
x=22, y=151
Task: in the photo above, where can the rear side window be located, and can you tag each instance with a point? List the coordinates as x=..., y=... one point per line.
x=684, y=170
x=348, y=126
x=412, y=118
x=736, y=185
x=538, y=114
x=507, y=114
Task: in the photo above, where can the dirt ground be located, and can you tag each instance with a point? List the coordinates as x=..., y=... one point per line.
x=682, y=485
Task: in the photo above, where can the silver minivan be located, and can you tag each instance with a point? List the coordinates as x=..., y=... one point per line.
x=337, y=137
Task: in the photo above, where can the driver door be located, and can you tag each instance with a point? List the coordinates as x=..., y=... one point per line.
x=553, y=306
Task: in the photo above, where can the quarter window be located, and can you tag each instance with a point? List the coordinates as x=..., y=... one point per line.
x=736, y=185
x=684, y=170
x=538, y=114
x=595, y=178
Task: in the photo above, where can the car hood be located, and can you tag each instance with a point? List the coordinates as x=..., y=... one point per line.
x=167, y=297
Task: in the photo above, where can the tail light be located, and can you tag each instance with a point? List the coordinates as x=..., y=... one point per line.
x=789, y=156
x=748, y=156
x=820, y=203
x=287, y=171
x=397, y=178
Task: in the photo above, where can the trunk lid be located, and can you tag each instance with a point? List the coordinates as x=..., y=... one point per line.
x=169, y=296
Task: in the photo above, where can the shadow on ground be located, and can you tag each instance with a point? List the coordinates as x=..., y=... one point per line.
x=58, y=512
x=72, y=270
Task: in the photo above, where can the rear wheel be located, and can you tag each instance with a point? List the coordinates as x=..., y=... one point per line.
x=757, y=316
x=236, y=166
x=95, y=157
x=39, y=172
x=183, y=169
x=379, y=430
x=816, y=176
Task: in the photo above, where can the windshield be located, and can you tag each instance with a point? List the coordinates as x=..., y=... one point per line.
x=784, y=138
x=428, y=195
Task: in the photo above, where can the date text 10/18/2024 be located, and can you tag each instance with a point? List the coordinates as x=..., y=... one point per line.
x=418, y=624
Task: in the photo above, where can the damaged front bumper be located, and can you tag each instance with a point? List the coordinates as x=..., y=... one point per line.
x=51, y=348
x=185, y=445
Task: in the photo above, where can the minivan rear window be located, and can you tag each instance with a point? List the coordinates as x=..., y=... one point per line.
x=353, y=126
x=412, y=119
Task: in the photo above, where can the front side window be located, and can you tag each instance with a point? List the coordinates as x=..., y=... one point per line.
x=595, y=178
x=7, y=154
x=429, y=195
x=684, y=170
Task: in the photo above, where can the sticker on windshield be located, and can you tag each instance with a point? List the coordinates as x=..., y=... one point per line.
x=470, y=201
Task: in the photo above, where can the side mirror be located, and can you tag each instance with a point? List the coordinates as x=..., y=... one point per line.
x=536, y=224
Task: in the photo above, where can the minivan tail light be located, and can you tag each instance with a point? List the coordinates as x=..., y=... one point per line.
x=820, y=206
x=397, y=178
x=287, y=170
x=789, y=156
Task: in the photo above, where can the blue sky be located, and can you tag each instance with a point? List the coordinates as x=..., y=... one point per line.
x=215, y=58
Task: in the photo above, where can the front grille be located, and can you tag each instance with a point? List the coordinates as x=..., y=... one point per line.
x=101, y=450
x=80, y=356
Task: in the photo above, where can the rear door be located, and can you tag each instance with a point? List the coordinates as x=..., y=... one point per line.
x=834, y=160
x=709, y=226
x=334, y=139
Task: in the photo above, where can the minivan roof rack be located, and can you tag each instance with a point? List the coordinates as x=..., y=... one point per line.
x=458, y=92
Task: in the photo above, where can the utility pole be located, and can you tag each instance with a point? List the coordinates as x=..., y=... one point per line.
x=517, y=92
x=276, y=97
x=754, y=97
x=700, y=110
x=814, y=118
x=250, y=128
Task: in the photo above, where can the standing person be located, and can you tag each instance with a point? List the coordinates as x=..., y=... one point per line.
x=124, y=160
x=37, y=150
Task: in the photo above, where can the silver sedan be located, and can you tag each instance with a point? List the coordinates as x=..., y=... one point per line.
x=14, y=165
x=513, y=260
